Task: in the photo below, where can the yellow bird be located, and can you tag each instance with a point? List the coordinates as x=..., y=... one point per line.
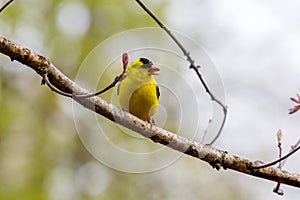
x=138, y=91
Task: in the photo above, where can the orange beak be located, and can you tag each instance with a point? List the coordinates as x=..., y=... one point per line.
x=152, y=70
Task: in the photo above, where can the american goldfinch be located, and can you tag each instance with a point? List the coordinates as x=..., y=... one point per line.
x=138, y=91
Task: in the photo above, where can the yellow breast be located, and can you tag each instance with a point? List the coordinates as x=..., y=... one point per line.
x=139, y=98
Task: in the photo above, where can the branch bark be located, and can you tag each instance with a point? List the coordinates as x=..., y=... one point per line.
x=215, y=157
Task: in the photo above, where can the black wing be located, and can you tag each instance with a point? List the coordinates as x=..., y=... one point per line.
x=157, y=92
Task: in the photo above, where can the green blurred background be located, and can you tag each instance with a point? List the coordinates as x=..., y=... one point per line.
x=41, y=154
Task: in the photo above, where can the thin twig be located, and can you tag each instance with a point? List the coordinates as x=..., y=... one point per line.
x=5, y=5
x=214, y=99
x=113, y=84
x=116, y=80
x=278, y=160
x=279, y=138
x=297, y=144
x=206, y=130
x=277, y=189
x=192, y=65
x=292, y=148
x=53, y=88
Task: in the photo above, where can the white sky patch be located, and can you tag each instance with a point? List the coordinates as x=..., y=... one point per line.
x=248, y=19
x=73, y=18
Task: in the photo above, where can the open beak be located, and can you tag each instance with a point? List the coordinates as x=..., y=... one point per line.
x=152, y=70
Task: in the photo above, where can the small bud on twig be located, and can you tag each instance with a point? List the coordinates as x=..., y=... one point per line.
x=297, y=107
x=279, y=137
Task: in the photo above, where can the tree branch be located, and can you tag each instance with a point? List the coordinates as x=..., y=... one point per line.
x=216, y=158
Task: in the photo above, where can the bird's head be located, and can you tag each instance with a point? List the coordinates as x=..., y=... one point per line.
x=143, y=67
